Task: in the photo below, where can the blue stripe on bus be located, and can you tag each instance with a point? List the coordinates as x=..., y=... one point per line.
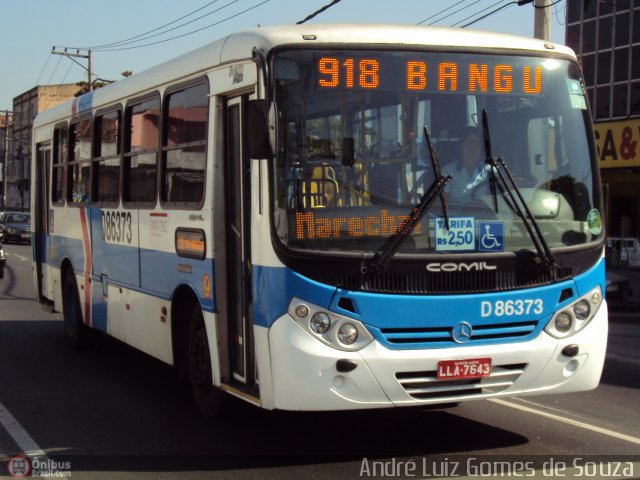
x=413, y=321
x=274, y=287
x=390, y=318
x=160, y=275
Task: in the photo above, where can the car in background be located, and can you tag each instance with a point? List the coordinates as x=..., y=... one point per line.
x=3, y=261
x=15, y=227
x=617, y=287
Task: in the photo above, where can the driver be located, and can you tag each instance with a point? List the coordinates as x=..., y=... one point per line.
x=470, y=169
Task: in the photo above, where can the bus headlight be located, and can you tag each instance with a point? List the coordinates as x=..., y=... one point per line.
x=348, y=333
x=337, y=331
x=573, y=318
x=320, y=323
x=563, y=322
x=581, y=309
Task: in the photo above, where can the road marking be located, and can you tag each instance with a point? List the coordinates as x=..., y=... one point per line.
x=547, y=407
x=15, y=255
x=569, y=421
x=19, y=434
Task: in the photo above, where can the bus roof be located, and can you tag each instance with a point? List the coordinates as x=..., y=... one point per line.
x=238, y=46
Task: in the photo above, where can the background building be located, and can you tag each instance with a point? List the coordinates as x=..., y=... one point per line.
x=606, y=36
x=17, y=171
x=6, y=120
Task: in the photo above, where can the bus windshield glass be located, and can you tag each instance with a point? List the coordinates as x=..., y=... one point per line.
x=352, y=161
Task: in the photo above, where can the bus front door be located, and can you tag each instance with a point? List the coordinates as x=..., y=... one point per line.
x=237, y=257
x=40, y=223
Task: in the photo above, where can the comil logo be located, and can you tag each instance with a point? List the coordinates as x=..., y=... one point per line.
x=459, y=267
x=19, y=466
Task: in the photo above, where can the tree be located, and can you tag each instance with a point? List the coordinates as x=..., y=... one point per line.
x=98, y=83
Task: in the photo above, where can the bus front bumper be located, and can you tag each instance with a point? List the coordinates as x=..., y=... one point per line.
x=305, y=375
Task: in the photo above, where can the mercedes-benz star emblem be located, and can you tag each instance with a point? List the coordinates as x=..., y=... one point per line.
x=461, y=333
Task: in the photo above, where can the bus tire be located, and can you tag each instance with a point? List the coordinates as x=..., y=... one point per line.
x=208, y=397
x=78, y=333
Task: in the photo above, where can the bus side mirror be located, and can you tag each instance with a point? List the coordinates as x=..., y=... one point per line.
x=260, y=137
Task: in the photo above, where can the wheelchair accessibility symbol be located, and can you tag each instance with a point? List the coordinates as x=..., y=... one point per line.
x=490, y=236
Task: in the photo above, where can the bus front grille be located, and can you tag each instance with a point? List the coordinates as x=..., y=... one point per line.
x=445, y=283
x=426, y=386
x=440, y=337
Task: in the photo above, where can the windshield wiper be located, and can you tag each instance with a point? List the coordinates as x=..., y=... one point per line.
x=435, y=163
x=381, y=258
x=517, y=202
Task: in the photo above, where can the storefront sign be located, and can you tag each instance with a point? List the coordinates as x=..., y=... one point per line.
x=618, y=143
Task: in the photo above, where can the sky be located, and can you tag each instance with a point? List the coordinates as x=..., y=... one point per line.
x=31, y=28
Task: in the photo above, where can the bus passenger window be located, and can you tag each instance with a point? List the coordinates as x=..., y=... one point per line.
x=58, y=177
x=106, y=162
x=184, y=150
x=142, y=122
x=79, y=162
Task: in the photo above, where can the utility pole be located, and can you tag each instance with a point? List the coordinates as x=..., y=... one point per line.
x=542, y=20
x=71, y=56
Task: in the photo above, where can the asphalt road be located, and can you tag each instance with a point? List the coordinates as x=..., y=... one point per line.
x=114, y=412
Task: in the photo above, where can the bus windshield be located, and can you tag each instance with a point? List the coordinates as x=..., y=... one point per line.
x=352, y=160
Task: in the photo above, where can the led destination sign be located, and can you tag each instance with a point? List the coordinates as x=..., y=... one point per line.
x=309, y=225
x=388, y=72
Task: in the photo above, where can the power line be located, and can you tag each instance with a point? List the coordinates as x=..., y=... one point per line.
x=54, y=71
x=450, y=14
x=188, y=33
x=557, y=15
x=441, y=11
x=453, y=13
x=317, y=12
x=113, y=44
x=175, y=28
x=43, y=69
x=479, y=12
x=143, y=37
x=66, y=74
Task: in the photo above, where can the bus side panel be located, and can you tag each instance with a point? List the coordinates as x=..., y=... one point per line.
x=162, y=268
x=70, y=242
x=115, y=245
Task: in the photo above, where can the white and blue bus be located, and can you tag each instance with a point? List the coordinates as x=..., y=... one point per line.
x=286, y=215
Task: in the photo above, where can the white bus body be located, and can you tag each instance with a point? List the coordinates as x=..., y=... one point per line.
x=153, y=225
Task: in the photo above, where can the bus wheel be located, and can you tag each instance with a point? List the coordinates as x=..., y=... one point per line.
x=208, y=397
x=78, y=333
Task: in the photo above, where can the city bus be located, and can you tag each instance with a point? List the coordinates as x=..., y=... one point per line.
x=274, y=214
